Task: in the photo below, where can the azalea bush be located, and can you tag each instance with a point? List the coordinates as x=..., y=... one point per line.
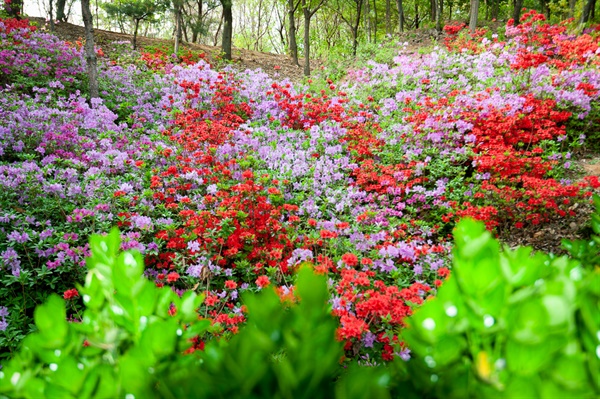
x=31, y=59
x=505, y=324
x=137, y=340
x=227, y=181
x=509, y=323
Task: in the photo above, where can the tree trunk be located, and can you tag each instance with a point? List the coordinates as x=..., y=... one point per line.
x=400, y=7
x=587, y=11
x=184, y=29
x=375, y=22
x=416, y=15
x=355, y=27
x=388, y=17
x=292, y=31
x=517, y=11
x=135, y=32
x=368, y=19
x=438, y=16
x=218, y=32
x=51, y=11
x=90, y=52
x=178, y=30
x=60, y=10
x=227, y=29
x=432, y=9
x=474, y=15
x=307, y=16
x=495, y=9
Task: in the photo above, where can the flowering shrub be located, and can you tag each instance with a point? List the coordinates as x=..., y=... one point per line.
x=501, y=319
x=162, y=58
x=227, y=182
x=139, y=340
x=502, y=325
x=30, y=58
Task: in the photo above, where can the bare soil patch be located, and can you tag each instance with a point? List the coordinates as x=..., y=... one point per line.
x=277, y=66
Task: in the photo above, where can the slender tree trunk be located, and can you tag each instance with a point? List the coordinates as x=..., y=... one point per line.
x=518, y=5
x=388, y=17
x=587, y=11
x=60, y=10
x=416, y=15
x=438, y=16
x=135, y=32
x=184, y=29
x=51, y=15
x=432, y=9
x=400, y=7
x=218, y=33
x=307, y=16
x=474, y=15
x=291, y=11
x=227, y=29
x=376, y=22
x=355, y=27
x=90, y=52
x=178, y=30
x=368, y=19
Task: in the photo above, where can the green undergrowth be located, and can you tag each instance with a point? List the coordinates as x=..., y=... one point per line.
x=504, y=325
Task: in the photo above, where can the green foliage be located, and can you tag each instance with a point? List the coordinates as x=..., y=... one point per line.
x=135, y=9
x=123, y=344
x=129, y=344
x=506, y=324
x=511, y=323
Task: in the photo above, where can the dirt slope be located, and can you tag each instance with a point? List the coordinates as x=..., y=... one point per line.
x=242, y=59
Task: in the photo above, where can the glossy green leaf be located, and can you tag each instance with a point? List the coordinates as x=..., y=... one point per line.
x=190, y=302
x=529, y=322
x=527, y=359
x=50, y=319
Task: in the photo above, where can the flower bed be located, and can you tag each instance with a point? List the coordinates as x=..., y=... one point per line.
x=227, y=182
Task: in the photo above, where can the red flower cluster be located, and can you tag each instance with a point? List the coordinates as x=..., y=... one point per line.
x=70, y=294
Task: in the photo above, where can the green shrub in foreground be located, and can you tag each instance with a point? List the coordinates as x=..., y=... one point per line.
x=509, y=324
x=506, y=324
x=128, y=345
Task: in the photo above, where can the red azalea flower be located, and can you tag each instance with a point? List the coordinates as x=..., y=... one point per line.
x=350, y=259
x=70, y=294
x=263, y=281
x=172, y=277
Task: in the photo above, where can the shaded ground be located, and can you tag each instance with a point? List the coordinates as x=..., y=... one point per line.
x=546, y=237
x=242, y=59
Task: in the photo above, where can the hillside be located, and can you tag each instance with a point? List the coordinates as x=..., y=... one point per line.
x=242, y=58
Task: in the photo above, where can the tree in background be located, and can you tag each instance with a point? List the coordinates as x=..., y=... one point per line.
x=60, y=10
x=137, y=11
x=90, y=52
x=292, y=6
x=308, y=13
x=350, y=12
x=178, y=11
x=227, y=29
x=516, y=15
x=473, y=15
x=14, y=8
x=588, y=10
x=400, y=7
